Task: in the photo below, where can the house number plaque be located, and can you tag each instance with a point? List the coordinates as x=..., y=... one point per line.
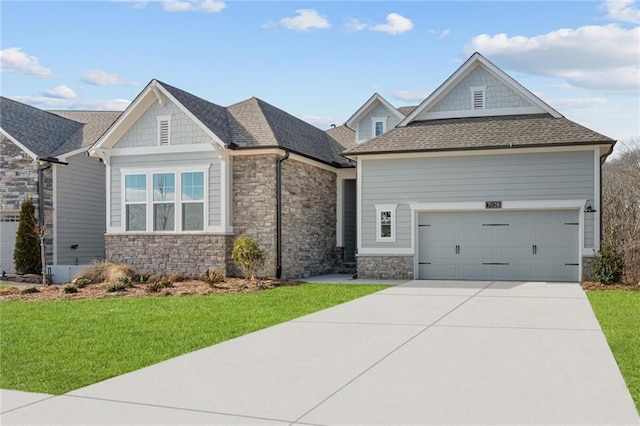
x=493, y=204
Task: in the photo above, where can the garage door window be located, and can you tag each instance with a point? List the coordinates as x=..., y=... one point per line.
x=386, y=223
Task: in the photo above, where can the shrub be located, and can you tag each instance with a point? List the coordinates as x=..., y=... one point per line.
x=105, y=272
x=177, y=277
x=125, y=280
x=607, y=265
x=158, y=283
x=26, y=254
x=247, y=255
x=116, y=287
x=212, y=277
x=69, y=289
x=81, y=282
x=29, y=290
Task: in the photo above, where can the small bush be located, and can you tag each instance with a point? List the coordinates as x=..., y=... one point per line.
x=177, y=277
x=141, y=278
x=69, y=289
x=247, y=255
x=105, y=272
x=125, y=280
x=158, y=284
x=212, y=277
x=29, y=290
x=26, y=254
x=81, y=282
x=116, y=287
x=607, y=265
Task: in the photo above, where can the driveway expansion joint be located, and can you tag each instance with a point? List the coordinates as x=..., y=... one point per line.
x=29, y=404
x=516, y=328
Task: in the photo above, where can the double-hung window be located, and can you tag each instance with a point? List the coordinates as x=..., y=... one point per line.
x=386, y=223
x=165, y=201
x=379, y=126
x=135, y=200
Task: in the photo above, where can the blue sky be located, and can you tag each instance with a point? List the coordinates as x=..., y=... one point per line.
x=321, y=60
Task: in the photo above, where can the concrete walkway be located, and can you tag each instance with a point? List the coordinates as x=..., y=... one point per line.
x=423, y=352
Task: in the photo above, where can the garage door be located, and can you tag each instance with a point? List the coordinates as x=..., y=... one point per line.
x=532, y=245
x=8, y=229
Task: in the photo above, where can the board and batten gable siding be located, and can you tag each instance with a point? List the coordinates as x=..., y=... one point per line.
x=505, y=177
x=80, y=206
x=168, y=162
x=365, y=125
x=145, y=130
x=497, y=94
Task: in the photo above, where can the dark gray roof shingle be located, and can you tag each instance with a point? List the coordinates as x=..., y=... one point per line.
x=95, y=123
x=481, y=133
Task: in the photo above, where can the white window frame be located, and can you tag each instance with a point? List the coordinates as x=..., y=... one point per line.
x=154, y=202
x=160, y=119
x=375, y=120
x=483, y=90
x=380, y=208
x=126, y=203
x=177, y=171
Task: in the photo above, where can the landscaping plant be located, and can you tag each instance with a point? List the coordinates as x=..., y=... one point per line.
x=608, y=263
x=247, y=255
x=26, y=254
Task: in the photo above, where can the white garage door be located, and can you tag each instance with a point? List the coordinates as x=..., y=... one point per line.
x=8, y=229
x=499, y=245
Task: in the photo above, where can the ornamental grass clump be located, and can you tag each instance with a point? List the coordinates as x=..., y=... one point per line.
x=105, y=272
x=247, y=255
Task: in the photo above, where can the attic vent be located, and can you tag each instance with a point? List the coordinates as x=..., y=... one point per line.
x=163, y=130
x=477, y=97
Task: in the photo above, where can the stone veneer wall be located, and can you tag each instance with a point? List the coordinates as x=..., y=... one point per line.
x=254, y=206
x=19, y=181
x=189, y=254
x=587, y=271
x=308, y=220
x=385, y=267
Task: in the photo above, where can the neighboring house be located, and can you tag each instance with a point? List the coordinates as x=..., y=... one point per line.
x=185, y=177
x=43, y=156
x=482, y=181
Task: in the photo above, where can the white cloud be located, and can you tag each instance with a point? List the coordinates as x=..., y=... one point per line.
x=318, y=121
x=134, y=4
x=354, y=24
x=60, y=92
x=622, y=11
x=595, y=57
x=396, y=24
x=13, y=59
x=102, y=78
x=305, y=19
x=45, y=102
x=207, y=6
x=444, y=33
x=577, y=103
x=409, y=96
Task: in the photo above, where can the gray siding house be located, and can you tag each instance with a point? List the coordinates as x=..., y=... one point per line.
x=482, y=180
x=43, y=156
x=185, y=177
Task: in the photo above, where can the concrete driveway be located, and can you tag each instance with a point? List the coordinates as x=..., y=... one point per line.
x=423, y=352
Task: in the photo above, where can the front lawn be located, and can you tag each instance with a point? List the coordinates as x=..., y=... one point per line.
x=55, y=347
x=618, y=312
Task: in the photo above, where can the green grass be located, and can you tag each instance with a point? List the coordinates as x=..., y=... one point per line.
x=55, y=347
x=618, y=312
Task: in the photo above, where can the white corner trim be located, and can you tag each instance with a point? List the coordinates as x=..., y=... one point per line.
x=359, y=205
x=339, y=211
x=108, y=199
x=596, y=200
x=54, y=213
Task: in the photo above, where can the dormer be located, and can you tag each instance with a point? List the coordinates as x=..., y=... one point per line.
x=478, y=89
x=376, y=117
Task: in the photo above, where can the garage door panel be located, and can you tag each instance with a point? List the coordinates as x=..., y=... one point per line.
x=515, y=245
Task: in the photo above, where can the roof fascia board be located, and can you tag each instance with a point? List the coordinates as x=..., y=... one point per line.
x=63, y=157
x=18, y=144
x=364, y=109
x=469, y=65
x=478, y=151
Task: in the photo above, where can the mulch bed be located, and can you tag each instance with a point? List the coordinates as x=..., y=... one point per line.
x=594, y=286
x=185, y=288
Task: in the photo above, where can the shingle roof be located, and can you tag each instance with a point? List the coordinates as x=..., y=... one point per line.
x=406, y=110
x=481, y=133
x=344, y=135
x=95, y=124
x=52, y=133
x=255, y=123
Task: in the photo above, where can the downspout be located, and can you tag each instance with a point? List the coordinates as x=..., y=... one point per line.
x=279, y=214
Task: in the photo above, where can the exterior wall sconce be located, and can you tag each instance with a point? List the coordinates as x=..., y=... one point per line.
x=590, y=209
x=74, y=246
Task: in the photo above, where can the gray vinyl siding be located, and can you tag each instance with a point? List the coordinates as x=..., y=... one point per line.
x=168, y=162
x=497, y=94
x=365, y=125
x=182, y=129
x=543, y=176
x=80, y=210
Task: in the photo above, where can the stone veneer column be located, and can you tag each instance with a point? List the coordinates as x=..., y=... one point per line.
x=308, y=220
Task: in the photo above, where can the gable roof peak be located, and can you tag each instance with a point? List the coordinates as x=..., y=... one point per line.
x=368, y=105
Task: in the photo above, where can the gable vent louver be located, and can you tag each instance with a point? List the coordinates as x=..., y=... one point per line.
x=478, y=99
x=164, y=132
